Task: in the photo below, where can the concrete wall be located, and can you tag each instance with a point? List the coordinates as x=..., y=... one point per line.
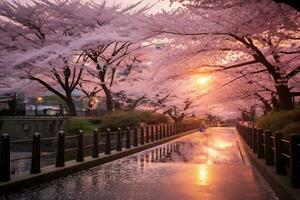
x=46, y=126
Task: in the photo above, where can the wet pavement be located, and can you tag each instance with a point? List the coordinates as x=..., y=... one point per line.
x=199, y=166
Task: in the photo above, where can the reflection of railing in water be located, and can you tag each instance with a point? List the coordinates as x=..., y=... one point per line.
x=80, y=145
x=160, y=154
x=284, y=154
x=166, y=153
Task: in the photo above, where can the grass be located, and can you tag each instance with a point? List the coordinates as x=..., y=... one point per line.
x=72, y=126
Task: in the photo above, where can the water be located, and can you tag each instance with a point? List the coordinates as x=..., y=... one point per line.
x=23, y=166
x=197, y=166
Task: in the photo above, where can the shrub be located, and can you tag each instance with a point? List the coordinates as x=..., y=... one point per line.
x=96, y=121
x=285, y=121
x=293, y=127
x=72, y=126
x=125, y=119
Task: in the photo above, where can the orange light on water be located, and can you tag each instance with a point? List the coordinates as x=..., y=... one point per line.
x=204, y=174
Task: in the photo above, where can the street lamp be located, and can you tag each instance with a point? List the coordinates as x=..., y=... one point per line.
x=39, y=100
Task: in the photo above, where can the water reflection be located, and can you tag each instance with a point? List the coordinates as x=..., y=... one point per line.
x=204, y=174
x=189, y=168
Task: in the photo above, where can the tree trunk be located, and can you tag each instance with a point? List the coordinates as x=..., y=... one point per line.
x=275, y=103
x=71, y=106
x=285, y=97
x=177, y=120
x=109, y=98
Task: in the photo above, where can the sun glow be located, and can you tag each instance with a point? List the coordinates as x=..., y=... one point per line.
x=203, y=80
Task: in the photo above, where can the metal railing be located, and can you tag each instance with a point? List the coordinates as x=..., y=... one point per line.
x=103, y=142
x=279, y=152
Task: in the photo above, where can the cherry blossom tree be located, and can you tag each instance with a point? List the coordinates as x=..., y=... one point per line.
x=245, y=43
x=106, y=59
x=67, y=78
x=221, y=4
x=45, y=41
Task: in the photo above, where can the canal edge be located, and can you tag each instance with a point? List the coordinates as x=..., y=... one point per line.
x=50, y=173
x=280, y=184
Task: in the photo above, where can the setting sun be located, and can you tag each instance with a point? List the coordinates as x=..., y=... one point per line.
x=203, y=80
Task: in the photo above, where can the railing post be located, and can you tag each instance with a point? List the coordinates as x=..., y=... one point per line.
x=95, y=144
x=107, y=142
x=5, y=158
x=260, y=147
x=128, y=142
x=244, y=133
x=135, y=137
x=160, y=132
x=254, y=140
x=165, y=130
x=168, y=130
x=80, y=156
x=142, y=140
x=295, y=159
x=36, y=154
x=147, y=134
x=250, y=137
x=268, y=151
x=279, y=159
x=156, y=132
x=152, y=133
x=60, y=155
x=119, y=140
x=174, y=129
x=241, y=131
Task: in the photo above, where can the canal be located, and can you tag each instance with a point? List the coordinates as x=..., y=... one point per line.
x=206, y=166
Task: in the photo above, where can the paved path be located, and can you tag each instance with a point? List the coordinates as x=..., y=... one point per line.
x=195, y=167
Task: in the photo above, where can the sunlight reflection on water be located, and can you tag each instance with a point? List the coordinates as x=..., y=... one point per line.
x=193, y=167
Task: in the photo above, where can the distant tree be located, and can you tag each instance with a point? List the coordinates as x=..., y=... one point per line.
x=67, y=78
x=177, y=113
x=90, y=94
x=124, y=102
x=248, y=114
x=107, y=59
x=211, y=118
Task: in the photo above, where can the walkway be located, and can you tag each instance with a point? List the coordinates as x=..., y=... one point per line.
x=195, y=167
